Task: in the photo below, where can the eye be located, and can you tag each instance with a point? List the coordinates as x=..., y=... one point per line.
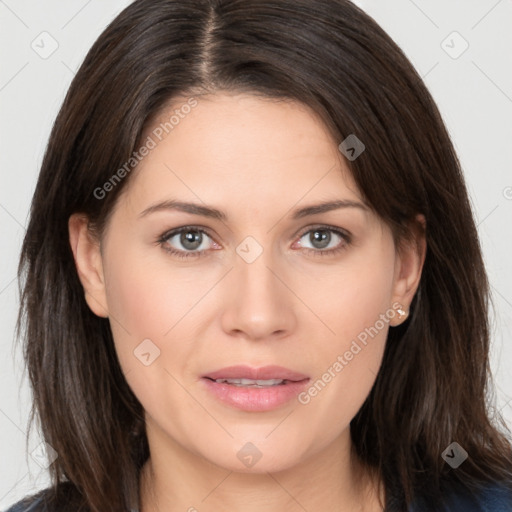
x=194, y=241
x=191, y=239
x=321, y=237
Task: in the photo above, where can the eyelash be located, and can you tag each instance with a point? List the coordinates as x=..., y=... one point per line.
x=164, y=238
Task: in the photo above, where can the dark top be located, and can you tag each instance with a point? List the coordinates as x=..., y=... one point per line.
x=493, y=499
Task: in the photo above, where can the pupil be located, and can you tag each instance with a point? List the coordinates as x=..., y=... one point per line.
x=321, y=236
x=189, y=239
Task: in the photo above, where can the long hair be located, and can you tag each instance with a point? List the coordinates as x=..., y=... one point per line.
x=432, y=388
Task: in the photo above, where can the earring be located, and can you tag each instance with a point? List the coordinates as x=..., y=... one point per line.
x=401, y=314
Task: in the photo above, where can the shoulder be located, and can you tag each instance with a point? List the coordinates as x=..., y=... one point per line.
x=33, y=503
x=65, y=499
x=491, y=498
x=495, y=498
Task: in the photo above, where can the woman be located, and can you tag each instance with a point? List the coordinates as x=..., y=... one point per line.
x=251, y=277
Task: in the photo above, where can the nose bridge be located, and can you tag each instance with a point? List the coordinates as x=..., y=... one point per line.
x=255, y=277
x=259, y=303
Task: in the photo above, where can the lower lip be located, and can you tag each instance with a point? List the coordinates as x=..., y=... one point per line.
x=253, y=399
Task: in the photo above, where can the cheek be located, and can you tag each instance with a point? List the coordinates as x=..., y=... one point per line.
x=152, y=311
x=149, y=296
x=356, y=307
x=352, y=295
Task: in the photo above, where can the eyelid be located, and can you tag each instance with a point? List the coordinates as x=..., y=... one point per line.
x=343, y=232
x=191, y=227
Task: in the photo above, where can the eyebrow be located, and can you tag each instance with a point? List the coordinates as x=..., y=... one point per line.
x=208, y=211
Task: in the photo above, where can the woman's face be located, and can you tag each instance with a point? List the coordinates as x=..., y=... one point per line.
x=264, y=281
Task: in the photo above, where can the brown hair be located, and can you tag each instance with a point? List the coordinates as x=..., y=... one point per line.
x=328, y=54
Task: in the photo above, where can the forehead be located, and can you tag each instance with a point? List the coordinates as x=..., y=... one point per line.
x=239, y=147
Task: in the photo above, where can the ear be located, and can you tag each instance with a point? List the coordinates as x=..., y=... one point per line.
x=87, y=255
x=409, y=262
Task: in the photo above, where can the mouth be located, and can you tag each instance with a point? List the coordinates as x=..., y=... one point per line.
x=253, y=383
x=248, y=373
x=255, y=389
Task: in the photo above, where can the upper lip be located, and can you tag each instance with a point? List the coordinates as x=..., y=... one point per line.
x=263, y=373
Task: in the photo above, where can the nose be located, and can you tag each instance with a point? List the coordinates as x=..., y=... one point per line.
x=258, y=304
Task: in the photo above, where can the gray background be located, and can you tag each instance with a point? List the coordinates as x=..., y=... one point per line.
x=473, y=90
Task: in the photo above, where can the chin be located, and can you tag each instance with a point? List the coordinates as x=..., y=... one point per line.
x=256, y=457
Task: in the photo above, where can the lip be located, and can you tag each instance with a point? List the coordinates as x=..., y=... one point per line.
x=251, y=399
x=263, y=373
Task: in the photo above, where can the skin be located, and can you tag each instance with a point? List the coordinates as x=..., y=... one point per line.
x=257, y=160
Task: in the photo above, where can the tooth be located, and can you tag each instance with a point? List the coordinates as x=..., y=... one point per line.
x=270, y=382
x=251, y=382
